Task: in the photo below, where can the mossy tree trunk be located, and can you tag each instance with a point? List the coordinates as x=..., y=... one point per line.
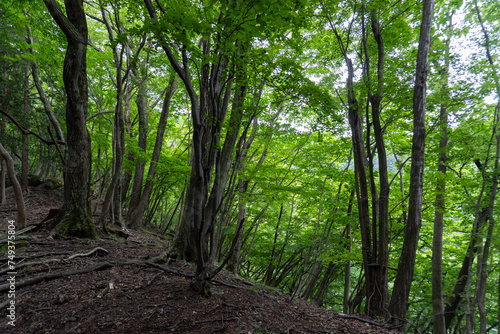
x=75, y=218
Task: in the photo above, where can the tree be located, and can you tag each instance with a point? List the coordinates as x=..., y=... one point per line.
x=21, y=211
x=437, y=239
x=75, y=218
x=401, y=291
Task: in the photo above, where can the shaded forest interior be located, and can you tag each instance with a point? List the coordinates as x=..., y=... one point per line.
x=246, y=166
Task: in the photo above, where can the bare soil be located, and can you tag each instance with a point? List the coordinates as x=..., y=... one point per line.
x=130, y=296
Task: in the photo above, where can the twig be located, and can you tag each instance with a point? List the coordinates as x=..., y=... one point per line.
x=151, y=280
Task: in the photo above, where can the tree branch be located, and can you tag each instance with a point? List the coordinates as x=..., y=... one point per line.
x=29, y=132
x=63, y=22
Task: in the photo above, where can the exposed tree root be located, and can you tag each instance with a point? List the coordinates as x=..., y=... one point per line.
x=371, y=322
x=51, y=276
x=100, y=251
x=27, y=264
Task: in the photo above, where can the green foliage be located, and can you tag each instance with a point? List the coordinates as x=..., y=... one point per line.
x=299, y=165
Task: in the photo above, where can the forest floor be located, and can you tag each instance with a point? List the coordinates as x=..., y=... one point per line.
x=114, y=289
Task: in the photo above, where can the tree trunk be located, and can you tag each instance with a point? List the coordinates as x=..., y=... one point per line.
x=25, y=141
x=456, y=296
x=439, y=326
x=46, y=104
x=374, y=294
x=437, y=238
x=347, y=273
x=482, y=272
x=404, y=276
x=380, y=237
x=113, y=195
x=3, y=132
x=127, y=173
x=21, y=211
x=235, y=259
x=3, y=197
x=75, y=218
x=483, y=250
x=320, y=294
x=136, y=215
x=270, y=268
x=142, y=110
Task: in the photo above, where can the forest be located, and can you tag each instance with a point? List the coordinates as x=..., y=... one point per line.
x=343, y=152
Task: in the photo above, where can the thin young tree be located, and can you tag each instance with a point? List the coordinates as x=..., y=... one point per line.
x=439, y=326
x=402, y=284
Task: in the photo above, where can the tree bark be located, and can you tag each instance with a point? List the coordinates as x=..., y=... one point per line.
x=482, y=265
x=3, y=132
x=437, y=238
x=136, y=215
x=439, y=325
x=347, y=272
x=235, y=259
x=46, y=104
x=25, y=141
x=142, y=109
x=402, y=284
x=320, y=294
x=75, y=218
x=21, y=211
x=456, y=296
x=380, y=240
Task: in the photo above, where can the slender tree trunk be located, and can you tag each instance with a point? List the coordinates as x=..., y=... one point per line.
x=270, y=268
x=356, y=124
x=25, y=141
x=380, y=241
x=142, y=110
x=21, y=211
x=46, y=104
x=3, y=138
x=113, y=195
x=127, y=173
x=136, y=215
x=314, y=275
x=75, y=218
x=483, y=250
x=347, y=272
x=482, y=272
x=404, y=276
x=439, y=325
x=233, y=263
x=235, y=259
x=3, y=197
x=437, y=238
x=456, y=296
x=320, y=294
